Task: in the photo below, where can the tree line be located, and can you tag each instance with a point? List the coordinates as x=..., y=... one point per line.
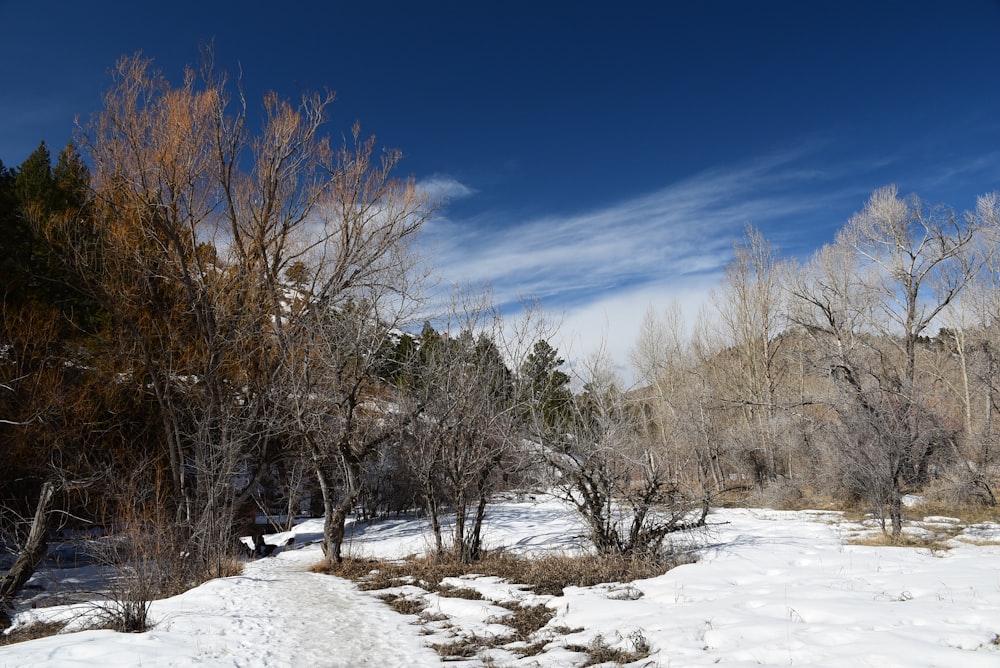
x=205, y=318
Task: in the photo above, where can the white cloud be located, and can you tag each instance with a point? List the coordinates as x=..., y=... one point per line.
x=444, y=187
x=603, y=268
x=611, y=322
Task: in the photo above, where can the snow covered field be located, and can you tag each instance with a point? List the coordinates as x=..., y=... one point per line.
x=771, y=588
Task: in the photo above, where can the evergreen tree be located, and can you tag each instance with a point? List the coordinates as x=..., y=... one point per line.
x=548, y=390
x=43, y=215
x=71, y=180
x=15, y=242
x=34, y=185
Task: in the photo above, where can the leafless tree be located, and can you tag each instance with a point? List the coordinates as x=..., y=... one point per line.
x=751, y=313
x=201, y=222
x=893, y=269
x=465, y=442
x=360, y=279
x=673, y=401
x=618, y=478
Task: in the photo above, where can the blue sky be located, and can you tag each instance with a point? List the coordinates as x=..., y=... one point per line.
x=602, y=156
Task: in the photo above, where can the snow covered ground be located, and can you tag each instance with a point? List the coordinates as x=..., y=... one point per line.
x=770, y=588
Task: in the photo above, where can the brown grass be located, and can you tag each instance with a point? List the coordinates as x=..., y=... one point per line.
x=403, y=604
x=966, y=514
x=544, y=575
x=969, y=513
x=525, y=620
x=32, y=632
x=460, y=648
x=880, y=539
x=449, y=591
x=547, y=575
x=600, y=652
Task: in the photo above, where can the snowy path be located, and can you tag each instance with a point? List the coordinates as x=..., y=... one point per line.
x=276, y=614
x=771, y=588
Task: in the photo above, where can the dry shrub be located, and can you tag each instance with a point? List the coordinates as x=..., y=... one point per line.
x=780, y=494
x=551, y=574
x=351, y=568
x=962, y=490
x=225, y=568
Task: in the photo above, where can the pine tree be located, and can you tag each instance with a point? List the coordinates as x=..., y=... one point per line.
x=15, y=242
x=548, y=390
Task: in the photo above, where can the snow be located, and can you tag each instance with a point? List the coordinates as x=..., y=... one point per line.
x=770, y=587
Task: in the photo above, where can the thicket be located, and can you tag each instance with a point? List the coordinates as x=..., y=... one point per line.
x=202, y=321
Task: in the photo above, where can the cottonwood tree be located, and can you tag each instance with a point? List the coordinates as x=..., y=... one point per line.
x=200, y=221
x=751, y=313
x=680, y=374
x=893, y=269
x=358, y=281
x=969, y=340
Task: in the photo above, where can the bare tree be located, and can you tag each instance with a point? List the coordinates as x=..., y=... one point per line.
x=201, y=222
x=969, y=341
x=361, y=279
x=751, y=313
x=674, y=401
x=895, y=266
x=916, y=259
x=464, y=444
x=618, y=478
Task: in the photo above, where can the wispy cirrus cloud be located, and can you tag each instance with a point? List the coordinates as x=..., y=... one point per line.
x=684, y=229
x=600, y=269
x=443, y=187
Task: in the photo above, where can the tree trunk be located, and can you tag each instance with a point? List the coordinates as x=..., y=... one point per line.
x=336, y=514
x=31, y=554
x=896, y=510
x=474, y=542
x=433, y=512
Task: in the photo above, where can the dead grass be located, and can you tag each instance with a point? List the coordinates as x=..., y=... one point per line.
x=544, y=575
x=524, y=620
x=968, y=513
x=600, y=651
x=33, y=632
x=547, y=575
x=940, y=532
x=931, y=542
x=402, y=604
x=460, y=648
x=468, y=593
x=979, y=542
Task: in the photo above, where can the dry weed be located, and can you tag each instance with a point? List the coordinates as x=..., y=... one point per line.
x=544, y=575
x=600, y=651
x=525, y=620
x=460, y=648
x=450, y=591
x=32, y=632
x=403, y=604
